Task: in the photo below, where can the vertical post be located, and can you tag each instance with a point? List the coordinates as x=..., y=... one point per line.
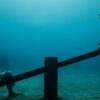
x=50, y=78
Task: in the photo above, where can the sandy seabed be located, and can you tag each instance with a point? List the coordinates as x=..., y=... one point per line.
x=68, y=89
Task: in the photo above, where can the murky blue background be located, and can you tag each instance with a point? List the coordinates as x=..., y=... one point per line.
x=33, y=29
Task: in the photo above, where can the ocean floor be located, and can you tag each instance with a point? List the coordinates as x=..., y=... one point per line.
x=70, y=88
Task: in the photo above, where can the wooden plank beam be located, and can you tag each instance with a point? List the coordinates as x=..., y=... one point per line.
x=42, y=70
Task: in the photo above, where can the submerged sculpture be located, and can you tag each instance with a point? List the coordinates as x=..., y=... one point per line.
x=99, y=45
x=5, y=76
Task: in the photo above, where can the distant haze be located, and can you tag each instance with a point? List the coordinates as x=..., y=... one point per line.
x=33, y=29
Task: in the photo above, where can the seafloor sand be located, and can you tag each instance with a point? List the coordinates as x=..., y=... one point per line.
x=70, y=88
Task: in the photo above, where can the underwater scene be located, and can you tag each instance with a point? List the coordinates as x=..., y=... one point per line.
x=31, y=30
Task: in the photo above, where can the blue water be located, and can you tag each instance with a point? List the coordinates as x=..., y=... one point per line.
x=31, y=30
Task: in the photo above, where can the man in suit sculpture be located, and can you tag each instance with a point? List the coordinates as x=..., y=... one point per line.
x=99, y=46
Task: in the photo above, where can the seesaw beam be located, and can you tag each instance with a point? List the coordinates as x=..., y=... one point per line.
x=42, y=69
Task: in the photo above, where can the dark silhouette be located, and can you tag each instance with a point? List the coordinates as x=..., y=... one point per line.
x=51, y=79
x=6, y=76
x=99, y=45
